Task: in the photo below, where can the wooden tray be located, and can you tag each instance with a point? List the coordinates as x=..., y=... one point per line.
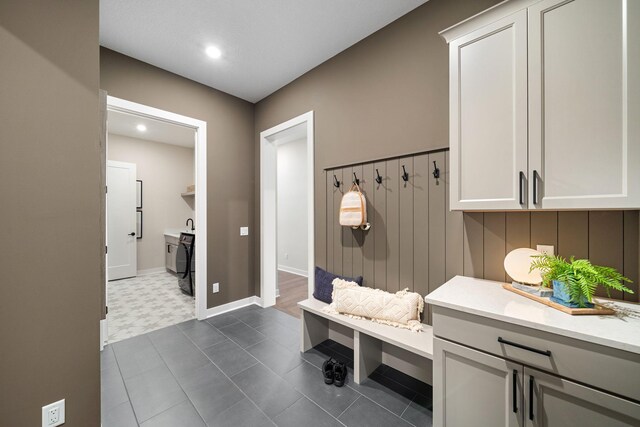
x=598, y=309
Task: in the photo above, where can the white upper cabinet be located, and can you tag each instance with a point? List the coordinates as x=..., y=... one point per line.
x=545, y=106
x=489, y=120
x=584, y=110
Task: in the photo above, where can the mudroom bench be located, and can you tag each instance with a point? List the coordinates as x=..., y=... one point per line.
x=372, y=343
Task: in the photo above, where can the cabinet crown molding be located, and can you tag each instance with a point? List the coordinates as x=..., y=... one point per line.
x=485, y=17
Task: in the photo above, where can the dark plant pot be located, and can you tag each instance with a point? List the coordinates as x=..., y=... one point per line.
x=562, y=296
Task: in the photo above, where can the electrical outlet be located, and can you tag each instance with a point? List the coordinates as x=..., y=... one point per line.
x=244, y=231
x=545, y=249
x=53, y=414
x=216, y=288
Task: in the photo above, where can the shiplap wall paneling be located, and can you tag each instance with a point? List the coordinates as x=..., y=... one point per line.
x=573, y=235
x=606, y=242
x=357, y=240
x=454, y=228
x=347, y=232
x=437, y=224
x=381, y=242
x=368, y=244
x=406, y=225
x=473, y=249
x=393, y=226
x=494, y=246
x=328, y=228
x=336, y=229
x=320, y=212
x=631, y=250
x=517, y=232
x=421, y=226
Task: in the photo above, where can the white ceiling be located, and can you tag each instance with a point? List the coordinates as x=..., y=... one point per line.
x=265, y=43
x=120, y=123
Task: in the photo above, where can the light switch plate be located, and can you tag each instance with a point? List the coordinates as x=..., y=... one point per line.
x=244, y=231
x=216, y=288
x=545, y=249
x=53, y=414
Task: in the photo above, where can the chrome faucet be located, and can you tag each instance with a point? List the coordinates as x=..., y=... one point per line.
x=187, y=224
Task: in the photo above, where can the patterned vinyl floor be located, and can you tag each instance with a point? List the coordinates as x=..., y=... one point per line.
x=143, y=304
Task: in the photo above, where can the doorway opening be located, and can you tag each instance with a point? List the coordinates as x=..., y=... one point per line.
x=286, y=213
x=155, y=214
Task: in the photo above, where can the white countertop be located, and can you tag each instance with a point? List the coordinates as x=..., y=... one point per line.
x=488, y=299
x=175, y=232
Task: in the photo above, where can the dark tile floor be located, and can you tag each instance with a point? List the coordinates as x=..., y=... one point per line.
x=244, y=368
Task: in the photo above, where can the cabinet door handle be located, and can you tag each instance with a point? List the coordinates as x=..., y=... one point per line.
x=521, y=182
x=531, y=397
x=524, y=347
x=515, y=387
x=168, y=249
x=535, y=187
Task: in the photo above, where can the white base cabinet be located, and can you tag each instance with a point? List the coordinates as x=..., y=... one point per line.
x=545, y=106
x=170, y=251
x=471, y=387
x=551, y=401
x=475, y=388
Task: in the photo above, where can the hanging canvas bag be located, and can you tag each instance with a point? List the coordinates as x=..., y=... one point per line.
x=353, y=209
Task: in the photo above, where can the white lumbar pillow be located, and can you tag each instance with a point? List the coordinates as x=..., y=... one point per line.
x=401, y=309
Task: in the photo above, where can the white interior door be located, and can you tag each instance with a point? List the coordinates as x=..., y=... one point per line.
x=121, y=220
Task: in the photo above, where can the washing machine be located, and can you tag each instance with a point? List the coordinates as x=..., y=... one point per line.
x=186, y=262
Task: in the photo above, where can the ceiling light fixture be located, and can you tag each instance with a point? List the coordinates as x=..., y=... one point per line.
x=141, y=128
x=213, y=52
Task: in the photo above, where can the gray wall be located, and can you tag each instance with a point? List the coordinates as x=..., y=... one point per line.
x=230, y=155
x=165, y=171
x=50, y=186
x=386, y=96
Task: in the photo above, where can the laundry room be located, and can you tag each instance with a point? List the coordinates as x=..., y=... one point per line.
x=150, y=175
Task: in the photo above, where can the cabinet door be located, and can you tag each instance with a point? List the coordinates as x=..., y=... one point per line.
x=471, y=388
x=170, y=256
x=488, y=116
x=555, y=402
x=584, y=104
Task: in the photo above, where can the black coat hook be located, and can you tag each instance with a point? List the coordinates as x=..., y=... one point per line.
x=355, y=179
x=436, y=170
x=336, y=183
x=378, y=177
x=405, y=175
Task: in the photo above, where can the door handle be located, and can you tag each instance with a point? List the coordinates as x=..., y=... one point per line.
x=535, y=187
x=522, y=188
x=133, y=233
x=524, y=347
x=531, y=397
x=515, y=387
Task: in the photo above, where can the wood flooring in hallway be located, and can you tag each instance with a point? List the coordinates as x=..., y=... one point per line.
x=293, y=289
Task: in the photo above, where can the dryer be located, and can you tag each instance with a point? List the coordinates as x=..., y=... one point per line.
x=186, y=262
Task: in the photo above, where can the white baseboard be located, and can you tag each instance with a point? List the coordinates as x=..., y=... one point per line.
x=293, y=270
x=234, y=305
x=104, y=333
x=151, y=271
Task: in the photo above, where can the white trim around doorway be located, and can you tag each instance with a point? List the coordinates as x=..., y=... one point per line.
x=200, y=127
x=268, y=207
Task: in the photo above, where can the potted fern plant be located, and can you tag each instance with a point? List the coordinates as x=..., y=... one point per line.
x=575, y=281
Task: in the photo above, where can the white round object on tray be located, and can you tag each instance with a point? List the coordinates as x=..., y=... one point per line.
x=517, y=264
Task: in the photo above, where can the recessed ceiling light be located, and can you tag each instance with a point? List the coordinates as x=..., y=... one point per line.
x=141, y=128
x=213, y=52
